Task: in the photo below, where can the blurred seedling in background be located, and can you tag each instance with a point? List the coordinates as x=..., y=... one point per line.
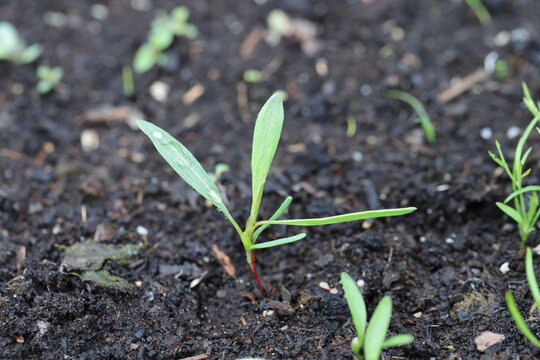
x=373, y=338
x=49, y=77
x=265, y=141
x=163, y=30
x=14, y=49
x=511, y=303
x=423, y=117
x=524, y=212
x=128, y=87
x=351, y=126
x=480, y=11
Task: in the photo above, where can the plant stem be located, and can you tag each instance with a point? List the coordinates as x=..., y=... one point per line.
x=251, y=261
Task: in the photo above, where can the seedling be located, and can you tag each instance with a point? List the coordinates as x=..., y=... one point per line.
x=511, y=303
x=265, y=140
x=127, y=81
x=163, y=30
x=480, y=11
x=370, y=339
x=13, y=48
x=48, y=78
x=525, y=213
x=351, y=126
x=423, y=117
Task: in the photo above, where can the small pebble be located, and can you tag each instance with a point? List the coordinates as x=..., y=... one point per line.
x=487, y=339
x=512, y=132
x=502, y=38
x=486, y=133
x=357, y=156
x=141, y=230
x=89, y=140
x=504, y=268
x=159, y=91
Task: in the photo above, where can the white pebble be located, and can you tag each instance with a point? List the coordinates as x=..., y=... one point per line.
x=504, y=268
x=89, y=140
x=159, y=91
x=512, y=132
x=141, y=230
x=502, y=38
x=486, y=133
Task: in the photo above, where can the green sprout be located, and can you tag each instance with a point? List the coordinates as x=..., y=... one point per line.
x=163, y=30
x=423, y=117
x=49, y=77
x=511, y=303
x=480, y=11
x=14, y=49
x=127, y=81
x=525, y=213
x=372, y=338
x=252, y=76
x=351, y=126
x=265, y=141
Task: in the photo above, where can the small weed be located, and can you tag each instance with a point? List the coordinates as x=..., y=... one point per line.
x=525, y=213
x=14, y=49
x=370, y=339
x=127, y=81
x=265, y=141
x=48, y=78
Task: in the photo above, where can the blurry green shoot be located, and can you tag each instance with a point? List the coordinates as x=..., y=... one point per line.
x=14, y=49
x=265, y=141
x=373, y=338
x=511, y=303
x=49, y=77
x=480, y=11
x=525, y=213
x=423, y=117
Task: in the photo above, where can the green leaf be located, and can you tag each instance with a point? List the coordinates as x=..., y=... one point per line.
x=512, y=308
x=265, y=141
x=276, y=216
x=423, y=117
x=161, y=38
x=356, y=304
x=531, y=279
x=398, y=340
x=30, y=54
x=283, y=241
x=43, y=87
x=362, y=215
x=145, y=58
x=185, y=165
x=377, y=328
x=522, y=191
x=510, y=212
x=9, y=40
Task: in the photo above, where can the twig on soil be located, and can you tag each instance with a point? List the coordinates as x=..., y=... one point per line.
x=462, y=85
x=196, y=357
x=251, y=41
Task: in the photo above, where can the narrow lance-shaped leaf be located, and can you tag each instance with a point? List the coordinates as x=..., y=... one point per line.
x=276, y=216
x=398, y=340
x=512, y=307
x=531, y=279
x=356, y=304
x=265, y=141
x=522, y=191
x=513, y=213
x=362, y=215
x=185, y=165
x=278, y=242
x=377, y=328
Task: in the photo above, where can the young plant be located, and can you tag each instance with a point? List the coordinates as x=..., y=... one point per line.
x=480, y=11
x=48, y=78
x=370, y=339
x=13, y=48
x=423, y=117
x=163, y=30
x=525, y=213
x=265, y=141
x=511, y=303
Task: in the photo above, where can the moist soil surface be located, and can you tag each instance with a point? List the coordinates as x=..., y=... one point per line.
x=441, y=264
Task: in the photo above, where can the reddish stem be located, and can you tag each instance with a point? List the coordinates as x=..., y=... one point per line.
x=254, y=270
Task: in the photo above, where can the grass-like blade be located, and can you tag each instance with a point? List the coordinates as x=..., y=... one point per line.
x=423, y=117
x=512, y=307
x=283, y=241
x=377, y=328
x=275, y=216
x=513, y=213
x=362, y=215
x=522, y=191
x=185, y=165
x=265, y=141
x=357, y=306
x=531, y=279
x=398, y=340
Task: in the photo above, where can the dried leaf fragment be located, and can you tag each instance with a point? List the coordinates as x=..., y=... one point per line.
x=224, y=260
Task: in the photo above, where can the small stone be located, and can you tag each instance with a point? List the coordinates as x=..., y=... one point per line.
x=89, y=140
x=159, y=91
x=502, y=38
x=141, y=230
x=134, y=346
x=486, y=133
x=20, y=339
x=512, y=132
x=417, y=315
x=504, y=268
x=43, y=327
x=486, y=340
x=267, y=313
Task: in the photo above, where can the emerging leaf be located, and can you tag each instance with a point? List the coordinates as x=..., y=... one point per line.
x=357, y=306
x=277, y=242
x=398, y=340
x=378, y=326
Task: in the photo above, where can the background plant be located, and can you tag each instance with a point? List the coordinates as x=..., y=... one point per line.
x=48, y=78
x=423, y=117
x=480, y=11
x=525, y=213
x=13, y=48
x=265, y=140
x=163, y=30
x=370, y=339
x=511, y=303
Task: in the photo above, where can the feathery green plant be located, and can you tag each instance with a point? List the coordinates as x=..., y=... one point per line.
x=265, y=141
x=423, y=117
x=535, y=291
x=524, y=213
x=370, y=339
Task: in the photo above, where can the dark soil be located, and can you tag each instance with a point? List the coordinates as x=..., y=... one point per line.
x=440, y=264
